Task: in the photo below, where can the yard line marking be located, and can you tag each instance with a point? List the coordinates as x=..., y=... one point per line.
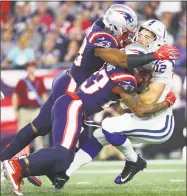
x=112, y=171
x=84, y=183
x=151, y=162
x=172, y=180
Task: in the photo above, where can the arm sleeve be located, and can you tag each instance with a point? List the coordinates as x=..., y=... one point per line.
x=134, y=60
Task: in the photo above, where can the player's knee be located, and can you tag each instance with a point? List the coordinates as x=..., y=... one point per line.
x=114, y=139
x=98, y=134
x=106, y=125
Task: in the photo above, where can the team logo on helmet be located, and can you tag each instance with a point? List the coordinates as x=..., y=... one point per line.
x=126, y=15
x=136, y=51
x=153, y=21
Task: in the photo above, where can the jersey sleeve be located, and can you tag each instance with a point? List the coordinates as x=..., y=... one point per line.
x=102, y=40
x=125, y=80
x=163, y=71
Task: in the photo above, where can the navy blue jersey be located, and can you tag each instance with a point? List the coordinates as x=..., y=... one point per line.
x=86, y=62
x=97, y=91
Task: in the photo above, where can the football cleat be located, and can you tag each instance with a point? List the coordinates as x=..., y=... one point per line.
x=58, y=180
x=35, y=180
x=12, y=170
x=130, y=169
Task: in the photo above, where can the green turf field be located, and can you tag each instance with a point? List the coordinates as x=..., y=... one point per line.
x=162, y=178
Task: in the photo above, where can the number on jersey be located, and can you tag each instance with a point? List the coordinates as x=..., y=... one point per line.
x=94, y=85
x=160, y=68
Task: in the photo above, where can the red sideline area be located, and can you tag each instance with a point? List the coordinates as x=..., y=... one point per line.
x=9, y=127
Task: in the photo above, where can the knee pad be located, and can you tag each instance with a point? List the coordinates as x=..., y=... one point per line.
x=114, y=139
x=99, y=135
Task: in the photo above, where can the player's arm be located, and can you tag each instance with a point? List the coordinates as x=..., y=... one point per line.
x=135, y=104
x=119, y=58
x=155, y=90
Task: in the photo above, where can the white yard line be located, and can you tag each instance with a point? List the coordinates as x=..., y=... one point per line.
x=84, y=183
x=151, y=162
x=112, y=171
x=172, y=180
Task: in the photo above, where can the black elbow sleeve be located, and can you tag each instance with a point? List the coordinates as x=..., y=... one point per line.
x=134, y=60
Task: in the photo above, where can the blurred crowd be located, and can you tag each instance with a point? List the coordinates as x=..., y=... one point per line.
x=52, y=32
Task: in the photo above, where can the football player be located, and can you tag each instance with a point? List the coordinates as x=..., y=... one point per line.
x=104, y=87
x=156, y=128
x=101, y=44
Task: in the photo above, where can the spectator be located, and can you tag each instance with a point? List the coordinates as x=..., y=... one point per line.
x=19, y=55
x=34, y=37
x=181, y=45
x=49, y=55
x=60, y=41
x=36, y=22
x=28, y=96
x=46, y=19
x=5, y=9
x=61, y=25
x=20, y=18
x=6, y=43
x=73, y=48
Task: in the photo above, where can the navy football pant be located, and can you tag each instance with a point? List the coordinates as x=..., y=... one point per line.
x=67, y=120
x=42, y=123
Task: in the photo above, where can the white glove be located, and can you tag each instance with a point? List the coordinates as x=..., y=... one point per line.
x=2, y=96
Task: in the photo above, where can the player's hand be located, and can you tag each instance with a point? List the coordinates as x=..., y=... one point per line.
x=170, y=98
x=2, y=96
x=167, y=52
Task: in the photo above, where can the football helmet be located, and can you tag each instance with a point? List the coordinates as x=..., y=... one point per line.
x=142, y=74
x=156, y=27
x=121, y=20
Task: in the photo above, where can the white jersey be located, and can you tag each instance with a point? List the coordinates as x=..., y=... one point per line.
x=163, y=73
x=157, y=128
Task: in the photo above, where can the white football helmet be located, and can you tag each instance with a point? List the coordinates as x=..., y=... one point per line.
x=156, y=27
x=142, y=74
x=120, y=19
x=136, y=48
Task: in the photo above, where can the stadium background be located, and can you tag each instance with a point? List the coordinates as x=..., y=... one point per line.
x=55, y=30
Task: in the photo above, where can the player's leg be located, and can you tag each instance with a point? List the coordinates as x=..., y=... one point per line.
x=67, y=121
x=113, y=128
x=88, y=151
x=41, y=125
x=152, y=131
x=155, y=130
